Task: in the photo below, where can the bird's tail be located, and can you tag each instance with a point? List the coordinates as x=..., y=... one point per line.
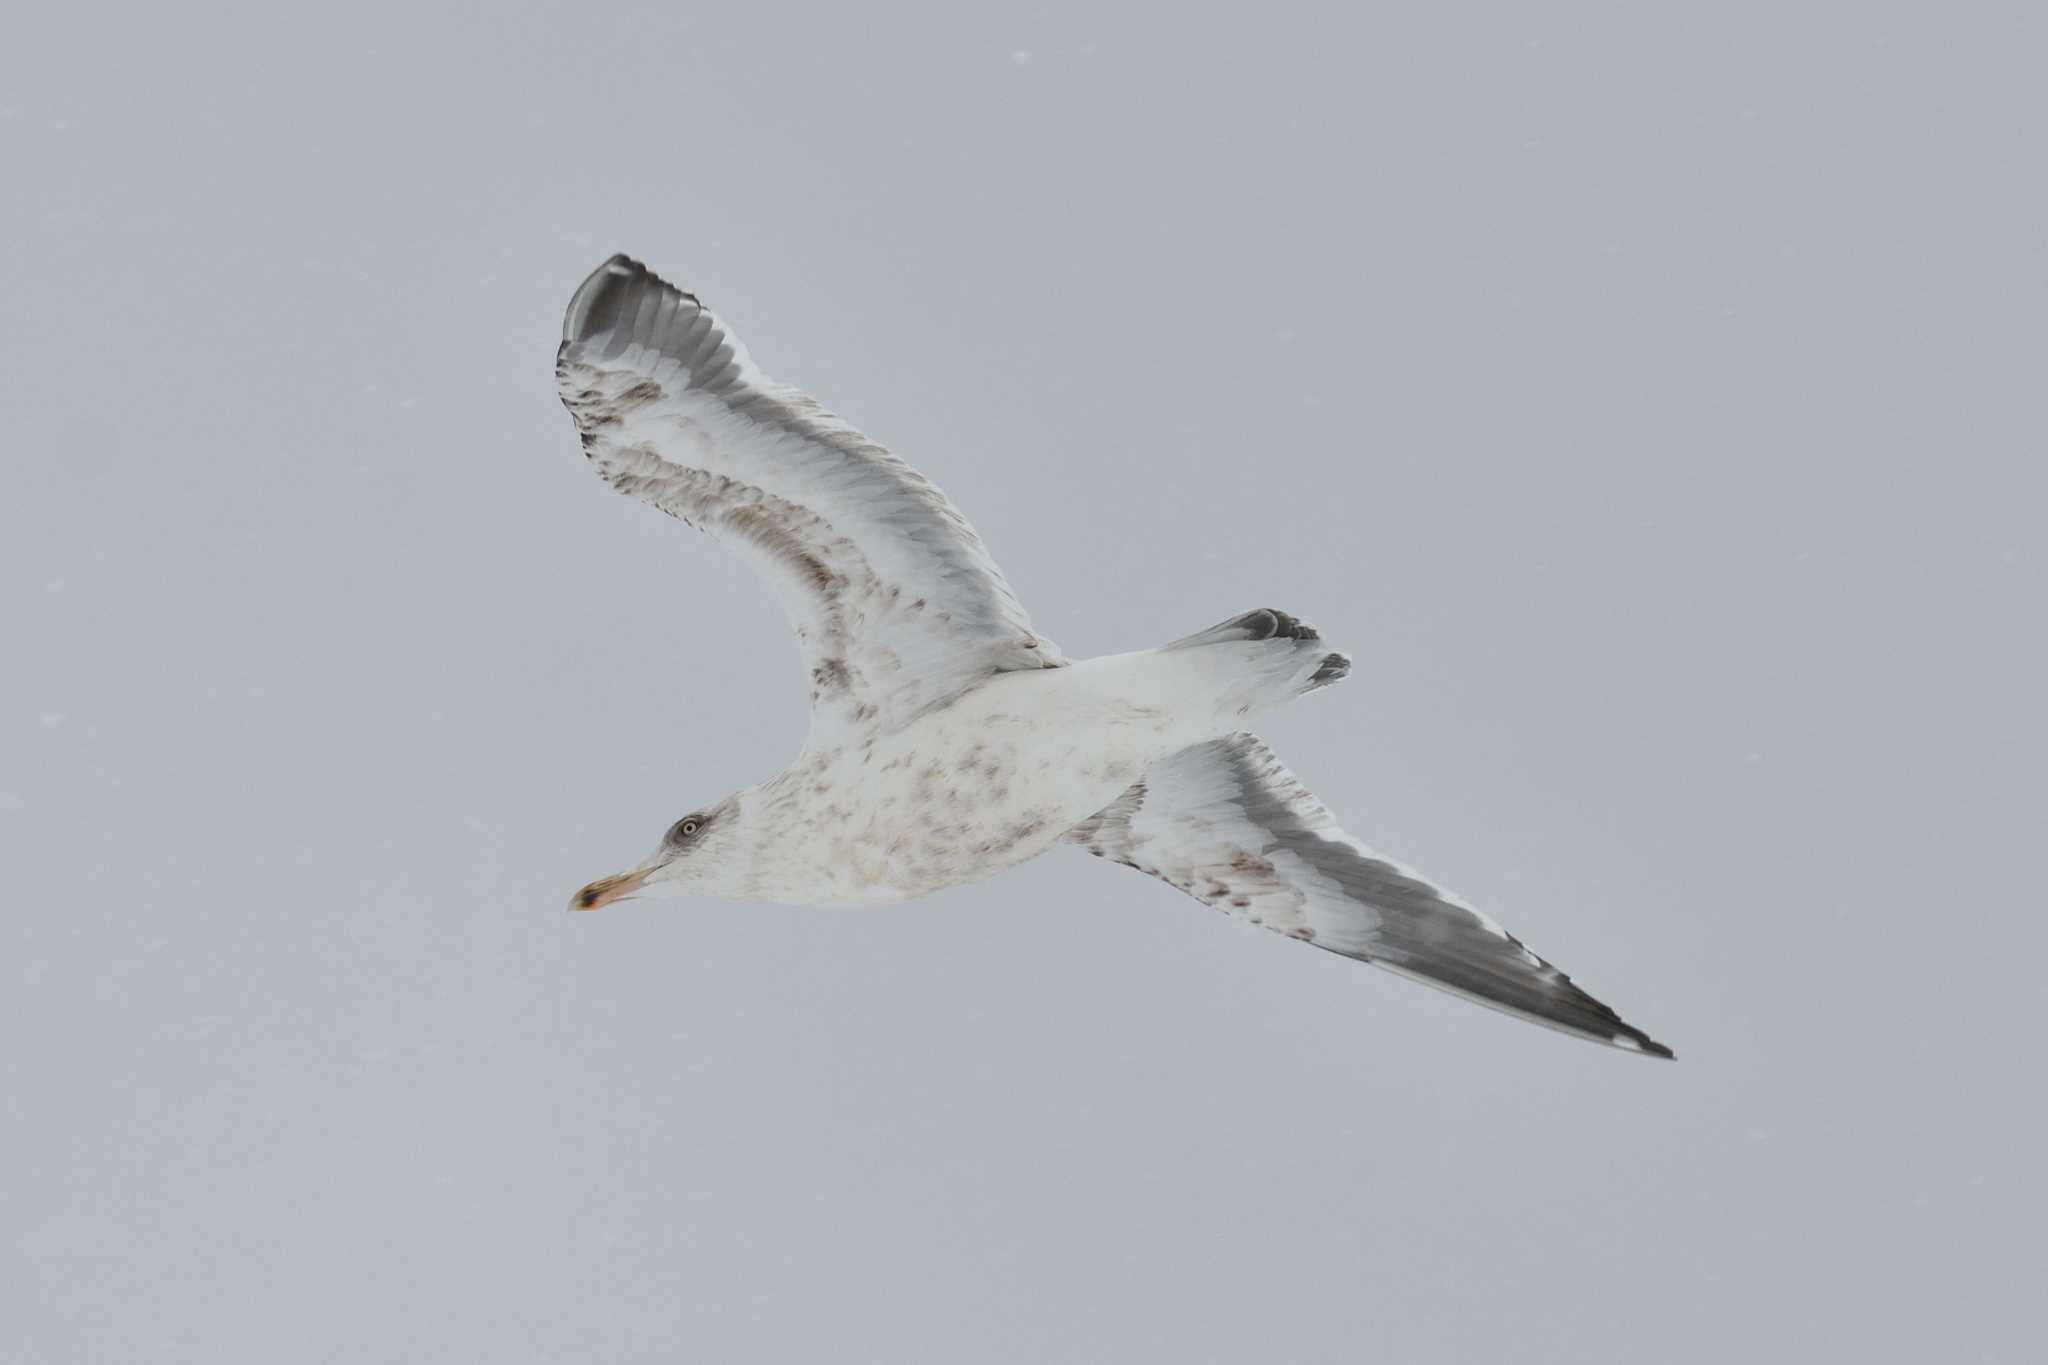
x=1268, y=655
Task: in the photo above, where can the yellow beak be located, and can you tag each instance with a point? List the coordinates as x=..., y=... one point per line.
x=604, y=891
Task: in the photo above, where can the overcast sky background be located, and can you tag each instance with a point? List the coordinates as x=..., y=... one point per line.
x=1650, y=403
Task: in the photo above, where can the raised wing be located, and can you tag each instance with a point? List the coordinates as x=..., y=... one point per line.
x=895, y=602
x=1226, y=823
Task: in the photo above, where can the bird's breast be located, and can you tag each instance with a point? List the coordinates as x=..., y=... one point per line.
x=936, y=806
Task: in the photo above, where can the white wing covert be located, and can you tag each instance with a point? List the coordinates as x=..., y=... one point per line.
x=895, y=602
x=1227, y=824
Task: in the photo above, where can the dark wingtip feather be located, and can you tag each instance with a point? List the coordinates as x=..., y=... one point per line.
x=601, y=301
x=1638, y=1041
x=608, y=301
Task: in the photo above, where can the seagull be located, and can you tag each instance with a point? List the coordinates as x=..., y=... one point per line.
x=948, y=739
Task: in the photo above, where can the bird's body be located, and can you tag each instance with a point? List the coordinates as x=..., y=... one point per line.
x=996, y=776
x=949, y=740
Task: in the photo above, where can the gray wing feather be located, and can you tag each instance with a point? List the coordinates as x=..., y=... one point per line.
x=1227, y=824
x=895, y=600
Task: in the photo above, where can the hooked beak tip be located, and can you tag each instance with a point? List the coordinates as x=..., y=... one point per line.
x=606, y=890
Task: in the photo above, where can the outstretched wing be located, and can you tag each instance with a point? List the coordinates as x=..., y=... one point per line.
x=894, y=600
x=1226, y=823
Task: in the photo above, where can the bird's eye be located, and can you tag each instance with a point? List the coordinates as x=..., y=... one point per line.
x=683, y=828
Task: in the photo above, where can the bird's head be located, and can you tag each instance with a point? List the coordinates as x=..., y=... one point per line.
x=687, y=859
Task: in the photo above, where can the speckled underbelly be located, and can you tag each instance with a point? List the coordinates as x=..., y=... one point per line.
x=918, y=817
x=974, y=787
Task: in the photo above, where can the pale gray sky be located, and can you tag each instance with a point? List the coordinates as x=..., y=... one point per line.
x=1649, y=402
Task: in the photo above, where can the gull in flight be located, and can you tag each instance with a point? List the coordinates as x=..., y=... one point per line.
x=949, y=739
